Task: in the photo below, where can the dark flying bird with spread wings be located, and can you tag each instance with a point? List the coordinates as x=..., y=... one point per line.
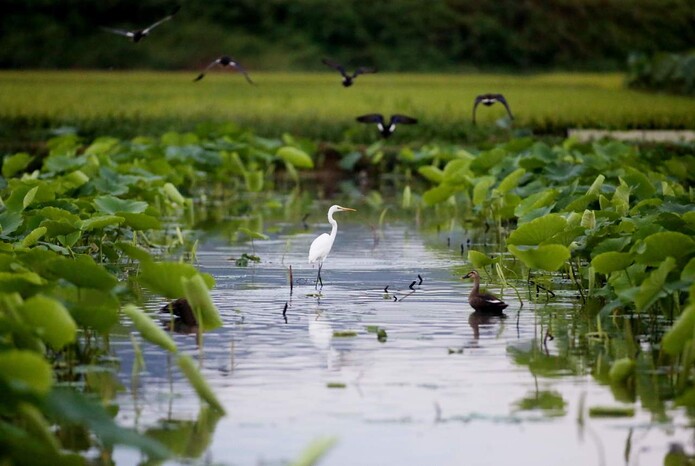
x=386, y=129
x=225, y=61
x=137, y=35
x=347, y=79
x=489, y=99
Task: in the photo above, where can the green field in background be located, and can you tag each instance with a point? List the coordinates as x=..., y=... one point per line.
x=316, y=105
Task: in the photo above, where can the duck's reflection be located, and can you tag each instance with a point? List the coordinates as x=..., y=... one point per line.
x=478, y=318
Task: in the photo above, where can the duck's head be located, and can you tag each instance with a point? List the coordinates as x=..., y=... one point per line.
x=471, y=274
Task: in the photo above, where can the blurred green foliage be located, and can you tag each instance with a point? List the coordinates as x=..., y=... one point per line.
x=670, y=72
x=295, y=34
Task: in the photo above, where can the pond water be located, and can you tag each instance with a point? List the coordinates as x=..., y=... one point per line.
x=444, y=388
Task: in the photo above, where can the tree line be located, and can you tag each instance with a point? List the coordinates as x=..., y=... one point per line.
x=403, y=35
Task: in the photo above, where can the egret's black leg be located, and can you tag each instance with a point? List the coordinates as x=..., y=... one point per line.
x=320, y=281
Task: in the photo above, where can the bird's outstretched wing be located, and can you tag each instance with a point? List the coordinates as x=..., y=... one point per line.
x=202, y=74
x=478, y=99
x=363, y=70
x=120, y=32
x=403, y=119
x=371, y=118
x=242, y=70
x=166, y=18
x=334, y=65
x=500, y=98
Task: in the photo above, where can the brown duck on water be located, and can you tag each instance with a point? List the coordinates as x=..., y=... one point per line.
x=483, y=302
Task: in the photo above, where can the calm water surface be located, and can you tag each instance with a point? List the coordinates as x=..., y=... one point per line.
x=442, y=390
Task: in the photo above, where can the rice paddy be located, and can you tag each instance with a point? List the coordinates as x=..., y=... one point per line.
x=315, y=105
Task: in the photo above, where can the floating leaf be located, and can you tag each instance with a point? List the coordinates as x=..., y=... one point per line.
x=198, y=296
x=114, y=205
x=198, y=382
x=165, y=277
x=611, y=261
x=652, y=288
x=50, y=320
x=296, y=157
x=537, y=230
x=149, y=329
x=611, y=411
x=548, y=257
x=26, y=370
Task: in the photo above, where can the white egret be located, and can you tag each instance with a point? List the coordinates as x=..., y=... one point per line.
x=322, y=245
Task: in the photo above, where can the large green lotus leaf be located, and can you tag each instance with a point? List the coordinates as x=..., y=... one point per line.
x=688, y=272
x=535, y=201
x=478, y=259
x=548, y=257
x=134, y=252
x=56, y=214
x=198, y=296
x=458, y=171
x=689, y=218
x=149, y=329
x=537, y=230
x=681, y=332
x=100, y=221
x=103, y=146
x=652, y=288
x=141, y=222
x=639, y=183
x=511, y=181
x=55, y=228
x=198, y=382
x=83, y=272
x=114, y=205
x=10, y=221
x=164, y=278
x=50, y=319
x=26, y=370
x=296, y=157
x=21, y=282
x=431, y=173
x=661, y=245
x=488, y=159
x=437, y=194
x=481, y=188
x=612, y=261
x=92, y=308
x=13, y=164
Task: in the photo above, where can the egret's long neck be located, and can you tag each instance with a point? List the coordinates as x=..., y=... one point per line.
x=332, y=221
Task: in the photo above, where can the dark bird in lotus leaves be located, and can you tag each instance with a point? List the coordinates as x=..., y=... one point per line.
x=137, y=35
x=483, y=302
x=386, y=129
x=347, y=78
x=225, y=61
x=489, y=99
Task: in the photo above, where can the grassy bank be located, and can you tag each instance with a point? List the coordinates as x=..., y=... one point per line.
x=317, y=106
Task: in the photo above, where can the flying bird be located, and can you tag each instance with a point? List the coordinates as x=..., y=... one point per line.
x=225, y=61
x=489, y=99
x=322, y=245
x=137, y=35
x=483, y=302
x=347, y=79
x=386, y=129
